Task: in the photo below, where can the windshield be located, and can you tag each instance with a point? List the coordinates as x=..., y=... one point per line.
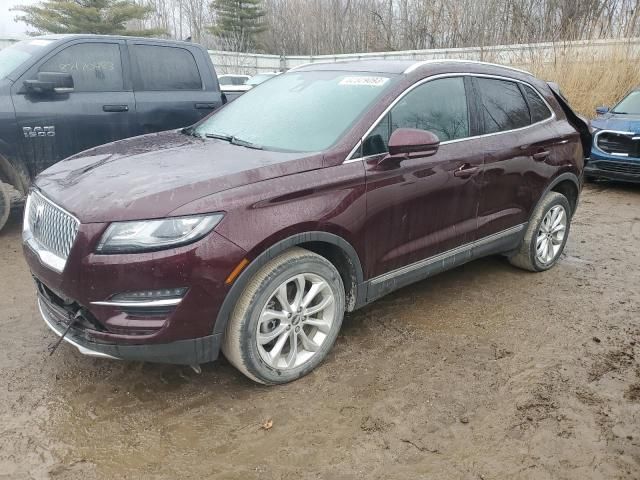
x=15, y=55
x=298, y=111
x=258, y=79
x=232, y=80
x=629, y=104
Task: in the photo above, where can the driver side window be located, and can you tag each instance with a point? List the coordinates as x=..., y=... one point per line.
x=95, y=67
x=439, y=106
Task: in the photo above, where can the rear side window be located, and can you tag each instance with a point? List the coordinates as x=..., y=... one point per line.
x=166, y=68
x=439, y=106
x=537, y=107
x=503, y=106
x=95, y=67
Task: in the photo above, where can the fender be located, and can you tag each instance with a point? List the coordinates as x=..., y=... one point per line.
x=274, y=250
x=560, y=178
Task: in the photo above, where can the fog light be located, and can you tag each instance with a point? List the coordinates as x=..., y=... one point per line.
x=147, y=295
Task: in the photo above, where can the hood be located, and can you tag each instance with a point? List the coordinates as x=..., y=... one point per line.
x=152, y=175
x=612, y=121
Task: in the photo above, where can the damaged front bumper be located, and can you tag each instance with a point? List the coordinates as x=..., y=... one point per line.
x=182, y=352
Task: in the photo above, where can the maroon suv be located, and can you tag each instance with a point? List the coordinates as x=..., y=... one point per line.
x=311, y=195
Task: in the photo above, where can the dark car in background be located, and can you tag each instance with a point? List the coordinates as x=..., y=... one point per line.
x=61, y=94
x=615, y=154
x=320, y=191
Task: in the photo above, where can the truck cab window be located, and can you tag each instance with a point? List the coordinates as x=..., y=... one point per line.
x=95, y=67
x=166, y=68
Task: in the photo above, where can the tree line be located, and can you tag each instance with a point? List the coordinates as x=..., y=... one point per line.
x=314, y=27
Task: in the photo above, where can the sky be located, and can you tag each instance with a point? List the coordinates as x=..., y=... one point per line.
x=8, y=26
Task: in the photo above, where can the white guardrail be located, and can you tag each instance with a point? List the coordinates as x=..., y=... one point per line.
x=517, y=55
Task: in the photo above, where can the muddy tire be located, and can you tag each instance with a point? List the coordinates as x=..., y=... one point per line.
x=5, y=203
x=287, y=319
x=546, y=235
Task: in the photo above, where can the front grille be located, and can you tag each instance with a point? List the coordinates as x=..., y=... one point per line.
x=619, y=167
x=619, y=144
x=51, y=227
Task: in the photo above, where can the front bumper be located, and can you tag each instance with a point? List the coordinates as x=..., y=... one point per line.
x=613, y=169
x=180, y=333
x=184, y=352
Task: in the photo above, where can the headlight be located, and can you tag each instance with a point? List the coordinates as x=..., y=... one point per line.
x=149, y=235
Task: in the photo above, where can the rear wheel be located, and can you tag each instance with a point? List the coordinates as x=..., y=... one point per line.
x=287, y=319
x=546, y=234
x=5, y=203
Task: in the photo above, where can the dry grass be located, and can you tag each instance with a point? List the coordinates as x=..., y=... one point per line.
x=591, y=82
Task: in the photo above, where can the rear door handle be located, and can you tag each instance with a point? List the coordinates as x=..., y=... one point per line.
x=207, y=106
x=465, y=171
x=115, y=108
x=540, y=156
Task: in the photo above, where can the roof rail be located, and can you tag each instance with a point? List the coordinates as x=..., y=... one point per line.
x=417, y=65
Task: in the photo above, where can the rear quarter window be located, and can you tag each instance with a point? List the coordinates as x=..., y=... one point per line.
x=537, y=107
x=162, y=68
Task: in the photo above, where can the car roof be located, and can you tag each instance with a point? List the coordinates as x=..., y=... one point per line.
x=66, y=36
x=399, y=67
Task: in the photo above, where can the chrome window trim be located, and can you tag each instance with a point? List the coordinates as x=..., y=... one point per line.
x=410, y=88
x=46, y=258
x=617, y=132
x=445, y=255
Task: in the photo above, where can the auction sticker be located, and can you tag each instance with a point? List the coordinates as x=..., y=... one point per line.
x=364, y=81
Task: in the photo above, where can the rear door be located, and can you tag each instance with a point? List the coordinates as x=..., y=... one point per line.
x=521, y=151
x=100, y=109
x=174, y=86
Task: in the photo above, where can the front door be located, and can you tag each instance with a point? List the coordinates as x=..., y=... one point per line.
x=425, y=207
x=100, y=109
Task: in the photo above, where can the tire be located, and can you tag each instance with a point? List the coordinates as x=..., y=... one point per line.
x=253, y=335
x=5, y=203
x=527, y=256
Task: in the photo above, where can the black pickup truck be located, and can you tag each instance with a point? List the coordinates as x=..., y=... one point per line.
x=61, y=94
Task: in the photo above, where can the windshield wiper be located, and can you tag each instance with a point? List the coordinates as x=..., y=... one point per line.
x=219, y=136
x=245, y=143
x=620, y=113
x=233, y=140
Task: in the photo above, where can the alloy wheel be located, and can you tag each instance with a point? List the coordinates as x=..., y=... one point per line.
x=295, y=321
x=551, y=234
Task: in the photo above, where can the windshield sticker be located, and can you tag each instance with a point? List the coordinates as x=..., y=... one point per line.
x=40, y=43
x=364, y=81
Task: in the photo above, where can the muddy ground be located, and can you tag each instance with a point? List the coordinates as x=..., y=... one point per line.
x=485, y=372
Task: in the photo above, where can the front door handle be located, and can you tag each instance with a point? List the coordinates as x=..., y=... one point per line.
x=115, y=108
x=465, y=171
x=205, y=106
x=540, y=156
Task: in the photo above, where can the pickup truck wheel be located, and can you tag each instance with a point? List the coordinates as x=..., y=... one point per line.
x=546, y=234
x=5, y=203
x=287, y=319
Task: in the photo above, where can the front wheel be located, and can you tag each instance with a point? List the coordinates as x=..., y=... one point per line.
x=546, y=234
x=287, y=319
x=5, y=203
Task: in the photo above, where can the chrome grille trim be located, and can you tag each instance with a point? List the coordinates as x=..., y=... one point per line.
x=49, y=230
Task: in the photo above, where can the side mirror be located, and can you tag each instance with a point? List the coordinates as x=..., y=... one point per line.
x=602, y=110
x=50, y=82
x=408, y=143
